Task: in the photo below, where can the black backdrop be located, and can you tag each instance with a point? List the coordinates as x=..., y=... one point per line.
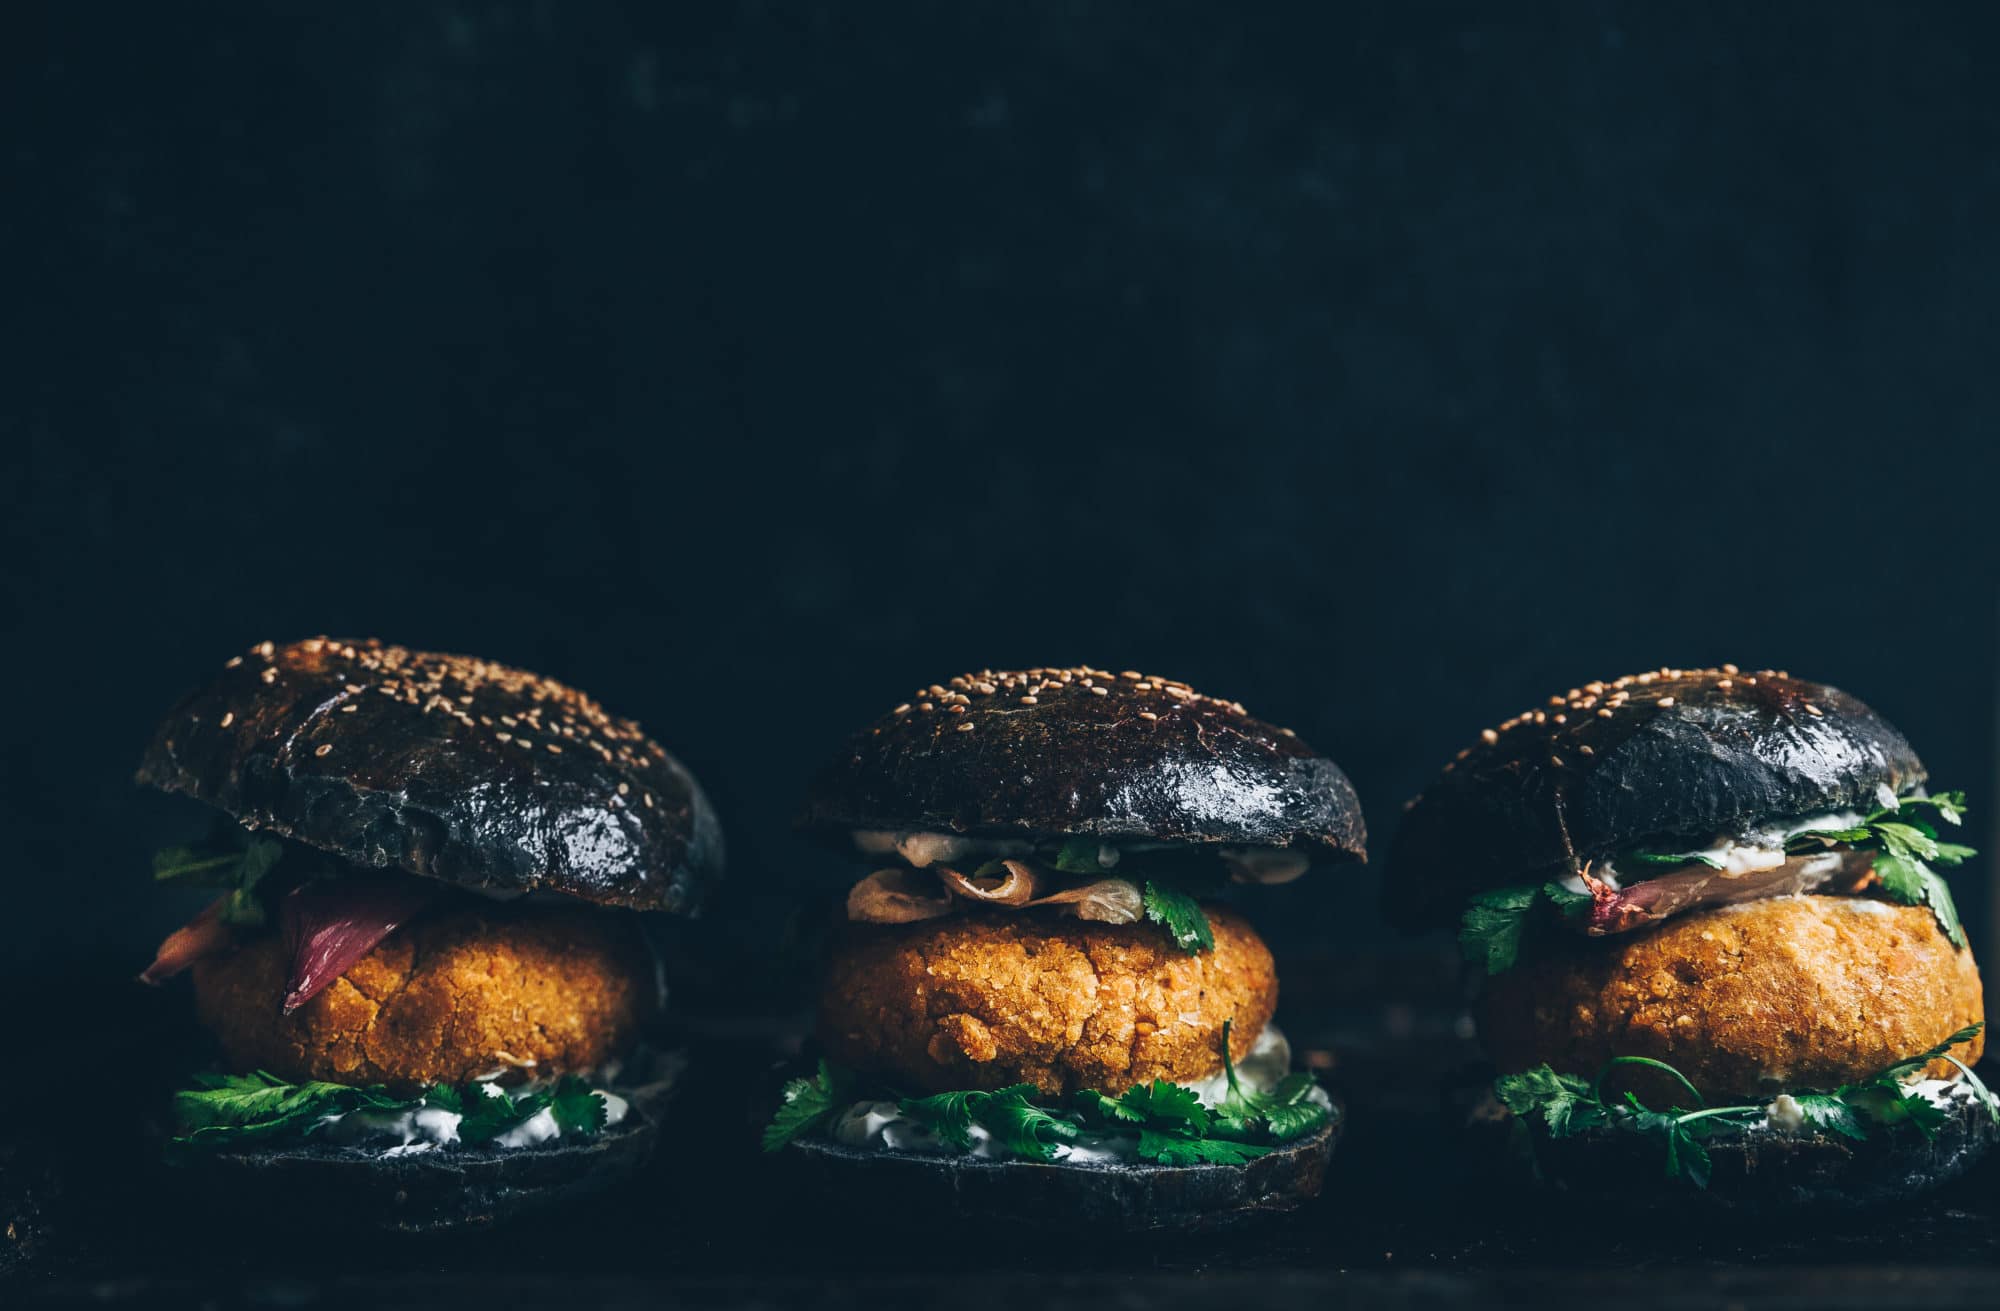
x=1385, y=367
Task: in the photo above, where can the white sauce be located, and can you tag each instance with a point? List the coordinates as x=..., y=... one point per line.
x=1759, y=849
x=427, y=1128
x=921, y=850
x=882, y=1126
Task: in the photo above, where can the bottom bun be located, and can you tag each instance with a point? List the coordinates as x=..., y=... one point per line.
x=1770, y=1169
x=448, y=1190
x=1130, y=1197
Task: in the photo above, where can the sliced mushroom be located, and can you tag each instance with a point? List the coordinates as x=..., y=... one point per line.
x=1016, y=887
x=1107, y=901
x=898, y=896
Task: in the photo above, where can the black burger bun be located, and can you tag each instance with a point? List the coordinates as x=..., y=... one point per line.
x=1126, y=1197
x=446, y=766
x=1657, y=759
x=1058, y=753
x=1769, y=1172
x=453, y=1189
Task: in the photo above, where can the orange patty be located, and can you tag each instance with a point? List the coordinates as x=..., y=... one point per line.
x=991, y=998
x=1785, y=994
x=456, y=994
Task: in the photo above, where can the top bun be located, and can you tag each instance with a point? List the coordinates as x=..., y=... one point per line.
x=1662, y=758
x=446, y=766
x=1055, y=753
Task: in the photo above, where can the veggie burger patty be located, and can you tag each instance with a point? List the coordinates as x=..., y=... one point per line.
x=988, y=1001
x=454, y=995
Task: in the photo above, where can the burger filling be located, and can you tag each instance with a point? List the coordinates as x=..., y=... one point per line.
x=939, y=874
x=1244, y=1112
x=289, y=922
x=1893, y=851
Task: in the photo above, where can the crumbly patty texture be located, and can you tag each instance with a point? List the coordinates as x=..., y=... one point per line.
x=456, y=994
x=1783, y=994
x=988, y=1000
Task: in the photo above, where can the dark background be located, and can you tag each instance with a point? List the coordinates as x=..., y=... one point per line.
x=1385, y=367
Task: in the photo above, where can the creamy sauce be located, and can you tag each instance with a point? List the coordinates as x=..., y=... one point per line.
x=428, y=1128
x=1760, y=849
x=881, y=1125
x=921, y=850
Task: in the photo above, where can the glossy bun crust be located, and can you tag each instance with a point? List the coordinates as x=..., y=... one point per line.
x=1085, y=752
x=446, y=766
x=988, y=999
x=1657, y=758
x=1781, y=995
x=451, y=996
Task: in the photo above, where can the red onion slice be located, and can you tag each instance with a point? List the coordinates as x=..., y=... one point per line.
x=331, y=924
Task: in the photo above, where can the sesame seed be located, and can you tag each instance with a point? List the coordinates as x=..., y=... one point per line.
x=1147, y=714
x=322, y=748
x=1098, y=691
x=1031, y=701
x=1731, y=669
x=504, y=737
x=903, y=709
x=1488, y=736
x=1587, y=750
x=1665, y=703
x=1557, y=761
x=349, y=708
x=232, y=662
x=624, y=789
x=926, y=706
x=965, y=727
x=270, y=674
x=1604, y=713
x=649, y=801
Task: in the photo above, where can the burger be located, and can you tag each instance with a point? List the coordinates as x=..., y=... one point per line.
x=422, y=970
x=1715, y=949
x=1038, y=1004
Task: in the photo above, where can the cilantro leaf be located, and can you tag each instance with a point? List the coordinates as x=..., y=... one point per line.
x=1107, y=1110
x=1830, y=1112
x=578, y=1110
x=948, y=1115
x=1565, y=1102
x=1637, y=858
x=1294, y=1119
x=1489, y=933
x=804, y=1106
x=1079, y=856
x=227, y=1110
x=1021, y=1127
x=1182, y=917
x=1910, y=881
x=1174, y=1149
x=491, y=1111
x=237, y=864
x=1167, y=1105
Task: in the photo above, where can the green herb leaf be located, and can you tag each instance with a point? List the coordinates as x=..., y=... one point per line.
x=1830, y=1112
x=1167, y=1105
x=578, y=1110
x=237, y=864
x=1181, y=916
x=1910, y=881
x=1174, y=1149
x=948, y=1115
x=1021, y=1127
x=1079, y=856
x=804, y=1106
x=1489, y=933
x=1637, y=858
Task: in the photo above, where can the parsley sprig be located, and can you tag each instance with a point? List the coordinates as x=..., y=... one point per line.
x=1567, y=1105
x=1172, y=1124
x=226, y=1112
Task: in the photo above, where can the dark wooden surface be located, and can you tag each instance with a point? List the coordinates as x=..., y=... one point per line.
x=1410, y=1217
